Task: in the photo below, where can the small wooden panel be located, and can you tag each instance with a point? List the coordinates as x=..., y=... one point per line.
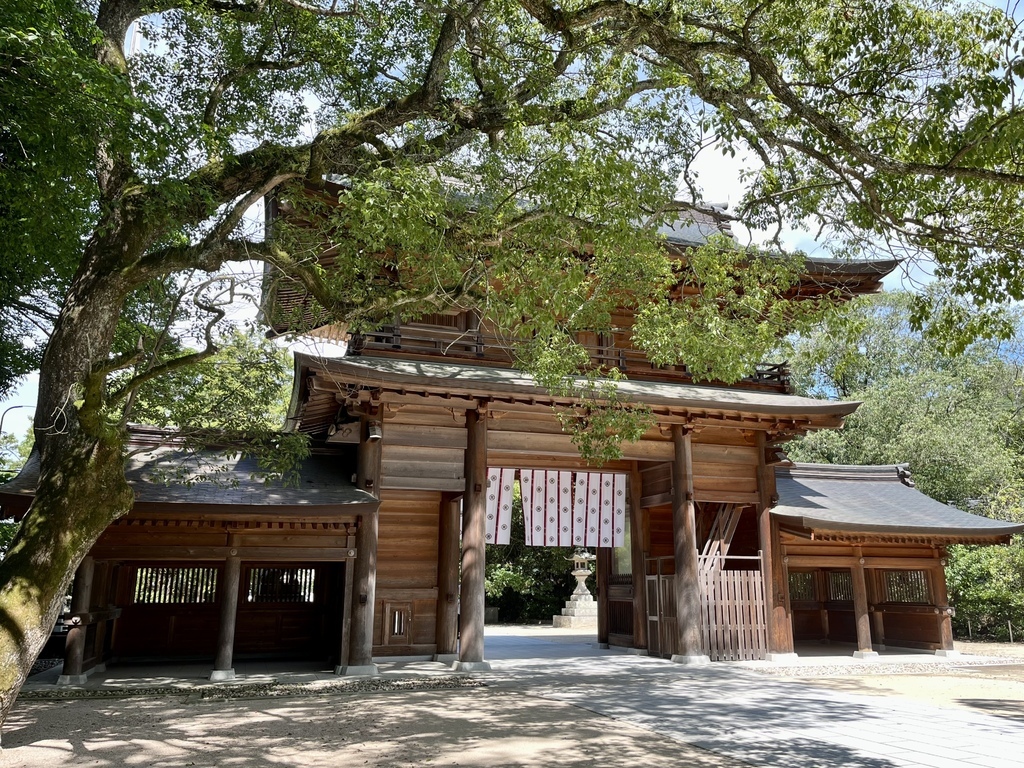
x=407, y=541
x=724, y=436
x=425, y=436
x=402, y=453
x=423, y=416
x=724, y=454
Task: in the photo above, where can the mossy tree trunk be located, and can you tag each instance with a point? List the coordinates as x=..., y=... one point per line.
x=82, y=486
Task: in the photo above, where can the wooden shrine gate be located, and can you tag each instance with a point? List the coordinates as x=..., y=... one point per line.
x=734, y=623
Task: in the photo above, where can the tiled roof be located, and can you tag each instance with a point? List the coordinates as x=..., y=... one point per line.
x=872, y=499
x=168, y=475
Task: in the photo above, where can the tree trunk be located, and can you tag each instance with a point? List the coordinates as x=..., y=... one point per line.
x=82, y=487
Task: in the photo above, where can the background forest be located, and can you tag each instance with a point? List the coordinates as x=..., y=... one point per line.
x=955, y=418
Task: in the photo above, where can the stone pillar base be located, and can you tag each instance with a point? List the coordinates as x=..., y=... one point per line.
x=72, y=679
x=781, y=657
x=866, y=655
x=948, y=654
x=357, y=671
x=222, y=675
x=470, y=666
x=690, y=661
x=446, y=658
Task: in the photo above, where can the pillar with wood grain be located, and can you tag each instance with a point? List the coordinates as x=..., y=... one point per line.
x=74, y=646
x=780, y=626
x=364, y=573
x=447, y=626
x=684, y=533
x=860, y=609
x=223, y=668
x=636, y=542
x=604, y=569
x=474, y=533
x=937, y=576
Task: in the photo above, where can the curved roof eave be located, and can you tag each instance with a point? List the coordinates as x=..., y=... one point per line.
x=373, y=372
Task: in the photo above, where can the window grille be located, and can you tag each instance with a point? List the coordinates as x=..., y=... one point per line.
x=907, y=587
x=840, y=585
x=175, y=585
x=801, y=586
x=281, y=585
x=398, y=623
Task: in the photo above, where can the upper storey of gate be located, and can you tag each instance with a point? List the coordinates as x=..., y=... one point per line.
x=467, y=336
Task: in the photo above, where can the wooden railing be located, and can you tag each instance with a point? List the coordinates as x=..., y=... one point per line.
x=474, y=344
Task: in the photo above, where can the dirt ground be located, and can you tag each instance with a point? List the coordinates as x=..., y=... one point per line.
x=477, y=727
x=997, y=689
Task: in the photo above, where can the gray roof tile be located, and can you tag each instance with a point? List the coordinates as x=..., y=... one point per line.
x=872, y=499
x=168, y=475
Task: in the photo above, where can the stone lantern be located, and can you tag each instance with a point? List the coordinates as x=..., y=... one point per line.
x=580, y=609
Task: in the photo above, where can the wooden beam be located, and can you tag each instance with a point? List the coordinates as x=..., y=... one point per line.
x=74, y=646
x=368, y=477
x=444, y=484
x=604, y=569
x=447, y=625
x=474, y=541
x=121, y=553
x=847, y=561
x=550, y=444
x=860, y=605
x=780, y=624
x=345, y=650
x=684, y=532
x=230, y=587
x=941, y=598
x=636, y=554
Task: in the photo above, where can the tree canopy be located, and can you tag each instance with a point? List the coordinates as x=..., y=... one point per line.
x=519, y=144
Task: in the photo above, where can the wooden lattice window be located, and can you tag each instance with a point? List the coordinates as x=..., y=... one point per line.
x=906, y=587
x=281, y=585
x=155, y=586
x=840, y=585
x=397, y=623
x=801, y=586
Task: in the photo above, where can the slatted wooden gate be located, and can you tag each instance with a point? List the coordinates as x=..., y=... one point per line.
x=733, y=617
x=734, y=624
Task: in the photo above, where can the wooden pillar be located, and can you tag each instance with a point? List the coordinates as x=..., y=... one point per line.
x=364, y=573
x=860, y=609
x=776, y=587
x=474, y=541
x=345, y=651
x=684, y=532
x=222, y=665
x=604, y=569
x=637, y=517
x=101, y=599
x=876, y=596
x=447, y=627
x=945, y=617
x=74, y=647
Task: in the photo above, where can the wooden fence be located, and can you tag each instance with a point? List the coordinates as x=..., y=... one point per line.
x=733, y=617
x=734, y=625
